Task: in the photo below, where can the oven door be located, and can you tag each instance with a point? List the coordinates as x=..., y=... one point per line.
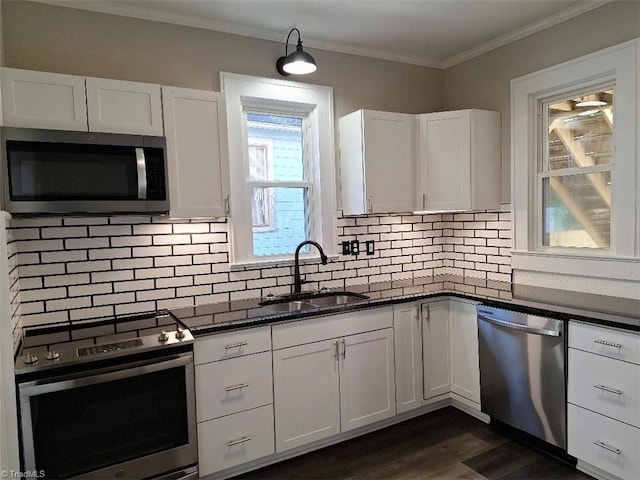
x=134, y=422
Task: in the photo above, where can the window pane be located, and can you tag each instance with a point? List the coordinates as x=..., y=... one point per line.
x=275, y=147
x=279, y=219
x=577, y=210
x=580, y=131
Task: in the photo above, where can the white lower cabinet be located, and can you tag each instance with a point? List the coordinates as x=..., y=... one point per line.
x=604, y=400
x=450, y=350
x=435, y=348
x=234, y=398
x=335, y=384
x=607, y=444
x=235, y=439
x=407, y=337
x=465, y=362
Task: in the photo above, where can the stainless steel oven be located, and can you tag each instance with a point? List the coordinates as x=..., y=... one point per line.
x=128, y=414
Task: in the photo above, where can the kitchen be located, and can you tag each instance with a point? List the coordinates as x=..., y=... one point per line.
x=178, y=264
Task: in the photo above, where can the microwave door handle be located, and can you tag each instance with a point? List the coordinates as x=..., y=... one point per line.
x=141, y=163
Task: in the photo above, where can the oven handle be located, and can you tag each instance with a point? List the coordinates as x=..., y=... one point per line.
x=524, y=328
x=94, y=377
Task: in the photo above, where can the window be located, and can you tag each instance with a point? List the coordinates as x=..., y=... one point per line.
x=282, y=168
x=575, y=175
x=575, y=171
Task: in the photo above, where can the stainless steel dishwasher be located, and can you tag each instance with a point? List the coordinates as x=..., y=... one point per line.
x=522, y=372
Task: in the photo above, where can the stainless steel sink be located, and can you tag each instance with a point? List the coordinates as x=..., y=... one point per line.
x=331, y=299
x=305, y=301
x=289, y=306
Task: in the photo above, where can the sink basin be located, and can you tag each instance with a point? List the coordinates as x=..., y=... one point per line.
x=289, y=306
x=306, y=301
x=342, y=298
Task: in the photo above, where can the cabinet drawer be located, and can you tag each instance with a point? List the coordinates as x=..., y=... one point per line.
x=607, y=444
x=235, y=439
x=331, y=326
x=604, y=385
x=605, y=341
x=223, y=388
x=233, y=344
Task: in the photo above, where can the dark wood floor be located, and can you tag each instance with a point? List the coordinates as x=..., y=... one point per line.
x=446, y=444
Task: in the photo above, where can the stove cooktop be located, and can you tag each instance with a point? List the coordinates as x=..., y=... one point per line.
x=55, y=346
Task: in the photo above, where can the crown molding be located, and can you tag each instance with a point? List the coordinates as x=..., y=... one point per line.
x=128, y=10
x=524, y=32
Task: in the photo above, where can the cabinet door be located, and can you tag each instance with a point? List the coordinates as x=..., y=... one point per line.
x=117, y=106
x=445, y=156
x=196, y=152
x=407, y=337
x=367, y=378
x=306, y=396
x=43, y=100
x=377, y=162
x=465, y=362
x=435, y=348
x=389, y=161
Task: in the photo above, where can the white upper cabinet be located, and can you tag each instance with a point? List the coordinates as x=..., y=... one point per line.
x=197, y=157
x=67, y=102
x=459, y=161
x=43, y=100
x=377, y=160
x=116, y=106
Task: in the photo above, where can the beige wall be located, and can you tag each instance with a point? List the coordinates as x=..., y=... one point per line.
x=50, y=38
x=484, y=81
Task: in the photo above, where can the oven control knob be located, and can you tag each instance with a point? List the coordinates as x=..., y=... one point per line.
x=29, y=358
x=163, y=337
x=180, y=333
x=52, y=355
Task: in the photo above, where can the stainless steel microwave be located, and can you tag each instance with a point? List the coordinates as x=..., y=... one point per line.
x=60, y=172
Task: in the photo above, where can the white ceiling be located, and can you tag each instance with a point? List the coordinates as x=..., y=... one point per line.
x=436, y=33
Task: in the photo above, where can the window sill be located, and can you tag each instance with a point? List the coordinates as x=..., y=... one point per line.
x=615, y=276
x=280, y=262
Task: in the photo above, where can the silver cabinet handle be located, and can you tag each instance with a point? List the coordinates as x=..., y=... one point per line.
x=141, y=165
x=369, y=204
x=336, y=355
x=608, y=389
x=239, y=441
x=227, y=205
x=235, y=345
x=424, y=201
x=600, y=444
x=237, y=387
x=608, y=344
x=344, y=348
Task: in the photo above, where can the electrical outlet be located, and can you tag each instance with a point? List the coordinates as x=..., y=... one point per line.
x=346, y=248
x=370, y=247
x=355, y=247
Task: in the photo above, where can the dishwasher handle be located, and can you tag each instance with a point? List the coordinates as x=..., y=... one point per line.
x=523, y=328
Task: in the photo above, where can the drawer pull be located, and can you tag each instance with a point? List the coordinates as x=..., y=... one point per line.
x=608, y=389
x=239, y=441
x=235, y=345
x=600, y=444
x=237, y=387
x=608, y=344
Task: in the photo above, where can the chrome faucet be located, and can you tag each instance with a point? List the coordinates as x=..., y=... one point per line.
x=297, y=280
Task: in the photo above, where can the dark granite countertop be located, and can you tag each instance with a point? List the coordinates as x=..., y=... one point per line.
x=604, y=310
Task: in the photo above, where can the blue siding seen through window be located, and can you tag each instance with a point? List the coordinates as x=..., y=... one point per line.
x=281, y=222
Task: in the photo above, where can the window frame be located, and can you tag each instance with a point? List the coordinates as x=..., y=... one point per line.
x=314, y=104
x=610, y=272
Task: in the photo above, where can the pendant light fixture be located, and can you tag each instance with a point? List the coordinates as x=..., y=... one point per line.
x=298, y=62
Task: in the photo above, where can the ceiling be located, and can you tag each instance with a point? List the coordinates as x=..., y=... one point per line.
x=435, y=33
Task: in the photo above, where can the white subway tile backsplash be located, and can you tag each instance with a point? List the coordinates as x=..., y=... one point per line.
x=94, y=267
